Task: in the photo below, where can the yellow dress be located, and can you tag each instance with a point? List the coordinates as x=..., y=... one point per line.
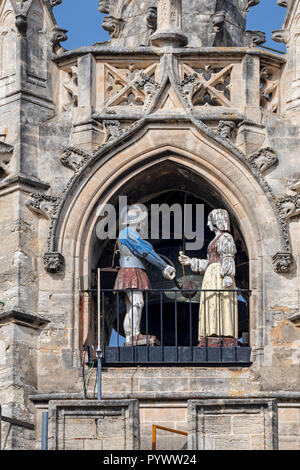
x=218, y=313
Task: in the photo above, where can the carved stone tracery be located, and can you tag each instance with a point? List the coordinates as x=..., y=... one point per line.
x=70, y=88
x=269, y=83
x=207, y=86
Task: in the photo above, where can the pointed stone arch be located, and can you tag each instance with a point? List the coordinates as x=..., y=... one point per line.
x=191, y=149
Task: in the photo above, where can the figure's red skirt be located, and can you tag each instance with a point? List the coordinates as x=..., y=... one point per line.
x=132, y=278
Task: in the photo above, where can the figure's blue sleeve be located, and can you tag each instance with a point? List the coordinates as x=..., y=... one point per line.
x=141, y=248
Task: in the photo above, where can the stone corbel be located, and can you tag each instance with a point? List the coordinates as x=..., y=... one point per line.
x=218, y=20
x=282, y=35
x=58, y=35
x=43, y=204
x=288, y=206
x=263, y=159
x=254, y=38
x=151, y=19
x=113, y=25
x=54, y=3
x=252, y=3
x=103, y=6
x=283, y=3
x=6, y=152
x=53, y=262
x=225, y=129
x=21, y=24
x=283, y=263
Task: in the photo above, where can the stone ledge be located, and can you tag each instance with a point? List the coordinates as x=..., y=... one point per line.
x=19, y=317
x=45, y=397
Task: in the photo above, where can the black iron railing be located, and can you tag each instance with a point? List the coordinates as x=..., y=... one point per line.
x=171, y=331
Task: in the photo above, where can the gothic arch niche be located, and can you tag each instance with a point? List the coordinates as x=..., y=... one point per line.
x=36, y=43
x=174, y=184
x=8, y=45
x=197, y=153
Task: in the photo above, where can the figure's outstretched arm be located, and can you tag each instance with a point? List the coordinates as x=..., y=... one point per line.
x=197, y=265
x=143, y=249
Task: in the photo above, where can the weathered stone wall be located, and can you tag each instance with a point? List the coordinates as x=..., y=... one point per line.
x=233, y=424
x=82, y=425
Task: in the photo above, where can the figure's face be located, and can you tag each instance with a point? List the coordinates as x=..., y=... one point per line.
x=210, y=225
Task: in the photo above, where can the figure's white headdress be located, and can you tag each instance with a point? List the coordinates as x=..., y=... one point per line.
x=133, y=214
x=220, y=219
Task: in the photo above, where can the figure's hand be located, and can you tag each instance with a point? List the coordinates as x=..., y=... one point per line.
x=227, y=281
x=169, y=273
x=185, y=260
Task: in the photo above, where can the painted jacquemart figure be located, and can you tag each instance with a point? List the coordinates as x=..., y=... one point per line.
x=218, y=315
x=132, y=277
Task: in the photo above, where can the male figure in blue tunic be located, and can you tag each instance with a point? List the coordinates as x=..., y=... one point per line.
x=132, y=277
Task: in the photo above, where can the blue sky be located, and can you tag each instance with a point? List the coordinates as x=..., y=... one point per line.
x=82, y=19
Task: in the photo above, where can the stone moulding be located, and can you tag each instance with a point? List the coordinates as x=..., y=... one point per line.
x=22, y=318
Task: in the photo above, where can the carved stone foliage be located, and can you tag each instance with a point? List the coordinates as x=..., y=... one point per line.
x=130, y=86
x=283, y=263
x=113, y=130
x=70, y=88
x=264, y=159
x=149, y=86
x=151, y=19
x=225, y=129
x=207, y=86
x=6, y=152
x=74, y=158
x=269, y=83
x=289, y=206
x=43, y=204
x=53, y=262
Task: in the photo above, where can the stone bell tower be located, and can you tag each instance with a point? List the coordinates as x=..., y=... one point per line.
x=180, y=103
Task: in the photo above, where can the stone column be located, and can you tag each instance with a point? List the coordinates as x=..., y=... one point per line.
x=87, y=134
x=169, y=23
